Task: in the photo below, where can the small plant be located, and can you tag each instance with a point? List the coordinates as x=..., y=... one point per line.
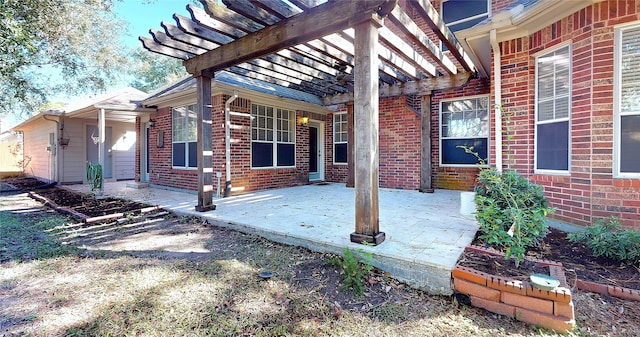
x=606, y=238
x=355, y=271
x=511, y=212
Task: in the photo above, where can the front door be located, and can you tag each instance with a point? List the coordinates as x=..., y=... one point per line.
x=92, y=149
x=316, y=151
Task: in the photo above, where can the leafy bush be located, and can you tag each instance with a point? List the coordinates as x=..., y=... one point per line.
x=606, y=238
x=511, y=212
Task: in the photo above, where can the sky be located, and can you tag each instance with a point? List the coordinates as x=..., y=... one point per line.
x=147, y=14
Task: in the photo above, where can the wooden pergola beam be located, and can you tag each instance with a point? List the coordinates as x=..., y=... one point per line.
x=310, y=25
x=403, y=21
x=437, y=25
x=421, y=87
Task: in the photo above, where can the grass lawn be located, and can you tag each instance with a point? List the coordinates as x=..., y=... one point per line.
x=176, y=276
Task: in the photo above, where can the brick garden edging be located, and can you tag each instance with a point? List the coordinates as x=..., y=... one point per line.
x=551, y=309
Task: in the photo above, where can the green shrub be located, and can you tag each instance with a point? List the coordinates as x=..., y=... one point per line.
x=511, y=212
x=605, y=238
x=354, y=271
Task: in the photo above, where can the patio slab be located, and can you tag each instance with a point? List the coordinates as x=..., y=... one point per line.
x=425, y=232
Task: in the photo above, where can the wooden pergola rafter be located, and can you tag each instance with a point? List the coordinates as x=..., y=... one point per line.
x=342, y=51
x=406, y=53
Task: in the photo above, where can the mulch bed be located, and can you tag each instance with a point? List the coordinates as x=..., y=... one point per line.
x=577, y=261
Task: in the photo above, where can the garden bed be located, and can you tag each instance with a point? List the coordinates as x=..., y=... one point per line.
x=513, y=295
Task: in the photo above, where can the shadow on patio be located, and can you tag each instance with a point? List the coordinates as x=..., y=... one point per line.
x=425, y=233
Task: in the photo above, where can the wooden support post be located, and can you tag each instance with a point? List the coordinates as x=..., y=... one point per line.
x=102, y=129
x=425, y=146
x=350, y=147
x=366, y=106
x=204, y=145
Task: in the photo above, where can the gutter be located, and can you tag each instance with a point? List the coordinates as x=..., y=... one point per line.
x=54, y=146
x=227, y=143
x=497, y=103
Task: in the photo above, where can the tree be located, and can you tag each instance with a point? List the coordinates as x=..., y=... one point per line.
x=41, y=40
x=151, y=71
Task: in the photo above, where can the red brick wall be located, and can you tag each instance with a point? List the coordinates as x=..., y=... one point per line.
x=243, y=177
x=590, y=192
x=455, y=178
x=399, y=147
x=161, y=173
x=334, y=173
x=399, y=138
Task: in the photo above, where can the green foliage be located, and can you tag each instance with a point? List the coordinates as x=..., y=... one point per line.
x=354, y=271
x=74, y=39
x=511, y=212
x=151, y=71
x=606, y=238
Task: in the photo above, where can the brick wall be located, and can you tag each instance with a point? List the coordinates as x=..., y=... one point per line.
x=334, y=173
x=455, y=178
x=243, y=177
x=399, y=137
x=590, y=192
x=399, y=147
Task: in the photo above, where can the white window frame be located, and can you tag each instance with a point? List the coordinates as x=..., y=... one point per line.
x=538, y=55
x=617, y=102
x=189, y=107
x=343, y=131
x=487, y=136
x=277, y=133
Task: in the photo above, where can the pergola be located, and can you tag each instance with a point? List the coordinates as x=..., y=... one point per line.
x=350, y=52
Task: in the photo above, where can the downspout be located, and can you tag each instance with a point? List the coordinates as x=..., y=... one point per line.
x=497, y=103
x=54, y=147
x=227, y=143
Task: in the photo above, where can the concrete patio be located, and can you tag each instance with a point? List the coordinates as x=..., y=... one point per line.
x=425, y=232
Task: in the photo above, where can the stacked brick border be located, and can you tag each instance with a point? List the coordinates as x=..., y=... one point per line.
x=552, y=309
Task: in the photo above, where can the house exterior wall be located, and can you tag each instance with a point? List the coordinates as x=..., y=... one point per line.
x=589, y=191
x=244, y=178
x=36, y=140
x=74, y=157
x=456, y=177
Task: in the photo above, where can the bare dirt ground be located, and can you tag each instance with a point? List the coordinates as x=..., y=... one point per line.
x=162, y=275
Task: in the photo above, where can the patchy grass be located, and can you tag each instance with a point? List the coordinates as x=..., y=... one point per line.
x=48, y=288
x=27, y=236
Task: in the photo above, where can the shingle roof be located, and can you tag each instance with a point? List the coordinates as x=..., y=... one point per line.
x=228, y=78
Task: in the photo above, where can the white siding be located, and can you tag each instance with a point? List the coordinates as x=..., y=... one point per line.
x=36, y=141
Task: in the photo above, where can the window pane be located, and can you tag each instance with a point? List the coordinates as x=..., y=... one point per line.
x=630, y=144
x=562, y=107
x=261, y=154
x=629, y=65
x=452, y=154
x=178, y=154
x=193, y=154
x=466, y=24
x=553, y=146
x=454, y=10
x=286, y=154
x=340, y=153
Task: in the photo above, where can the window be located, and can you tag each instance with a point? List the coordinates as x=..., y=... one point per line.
x=553, y=104
x=464, y=123
x=184, y=137
x=272, y=137
x=627, y=102
x=463, y=14
x=340, y=138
